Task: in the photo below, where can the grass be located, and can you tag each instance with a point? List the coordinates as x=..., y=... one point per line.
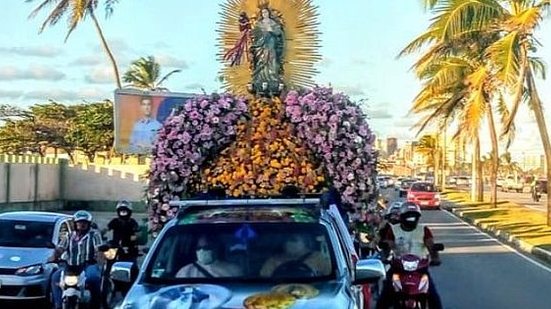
x=523, y=223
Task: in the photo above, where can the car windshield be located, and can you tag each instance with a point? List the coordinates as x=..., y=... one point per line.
x=423, y=187
x=19, y=233
x=261, y=252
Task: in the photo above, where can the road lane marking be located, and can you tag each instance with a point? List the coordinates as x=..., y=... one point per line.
x=511, y=249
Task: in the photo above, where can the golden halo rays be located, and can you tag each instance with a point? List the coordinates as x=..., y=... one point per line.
x=302, y=43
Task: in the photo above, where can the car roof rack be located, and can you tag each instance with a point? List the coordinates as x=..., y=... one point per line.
x=190, y=205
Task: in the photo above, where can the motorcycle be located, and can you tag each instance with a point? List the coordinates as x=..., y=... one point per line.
x=410, y=280
x=74, y=291
x=112, y=253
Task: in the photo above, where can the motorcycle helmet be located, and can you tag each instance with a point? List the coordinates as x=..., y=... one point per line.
x=82, y=215
x=409, y=216
x=124, y=208
x=393, y=212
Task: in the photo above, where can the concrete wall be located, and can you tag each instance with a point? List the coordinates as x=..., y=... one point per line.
x=28, y=182
x=88, y=183
x=3, y=182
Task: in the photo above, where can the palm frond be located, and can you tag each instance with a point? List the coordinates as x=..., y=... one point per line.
x=505, y=54
x=424, y=39
x=456, y=17
x=538, y=66
x=504, y=114
x=54, y=16
x=167, y=76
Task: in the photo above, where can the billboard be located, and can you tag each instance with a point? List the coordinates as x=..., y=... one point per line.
x=139, y=115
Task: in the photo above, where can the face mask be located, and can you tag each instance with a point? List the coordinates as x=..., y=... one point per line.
x=295, y=247
x=205, y=257
x=123, y=213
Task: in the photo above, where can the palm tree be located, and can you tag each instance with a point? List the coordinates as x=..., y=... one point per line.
x=512, y=25
x=76, y=11
x=145, y=73
x=428, y=146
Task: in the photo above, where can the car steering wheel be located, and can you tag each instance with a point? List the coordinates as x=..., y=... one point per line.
x=293, y=269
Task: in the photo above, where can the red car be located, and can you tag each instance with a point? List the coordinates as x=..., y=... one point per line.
x=424, y=194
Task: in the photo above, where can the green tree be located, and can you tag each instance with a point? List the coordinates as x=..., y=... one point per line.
x=76, y=11
x=91, y=129
x=145, y=74
x=512, y=25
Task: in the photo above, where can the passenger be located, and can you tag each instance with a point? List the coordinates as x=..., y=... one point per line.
x=208, y=265
x=298, y=258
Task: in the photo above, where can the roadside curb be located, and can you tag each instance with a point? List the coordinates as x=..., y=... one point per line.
x=505, y=237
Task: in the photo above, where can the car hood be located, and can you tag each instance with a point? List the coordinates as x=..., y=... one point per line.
x=233, y=296
x=23, y=257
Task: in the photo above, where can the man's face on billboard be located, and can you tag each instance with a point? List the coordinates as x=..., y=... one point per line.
x=146, y=107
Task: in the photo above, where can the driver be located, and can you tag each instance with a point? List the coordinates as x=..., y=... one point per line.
x=298, y=250
x=208, y=265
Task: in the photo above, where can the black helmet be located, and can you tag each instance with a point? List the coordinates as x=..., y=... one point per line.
x=124, y=204
x=409, y=216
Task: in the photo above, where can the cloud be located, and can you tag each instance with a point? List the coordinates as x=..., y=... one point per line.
x=67, y=95
x=171, y=62
x=161, y=45
x=360, y=62
x=36, y=72
x=10, y=94
x=405, y=122
x=32, y=51
x=88, y=60
x=352, y=90
x=379, y=111
x=100, y=75
x=326, y=62
x=194, y=86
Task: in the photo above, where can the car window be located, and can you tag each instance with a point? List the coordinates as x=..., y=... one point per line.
x=63, y=231
x=242, y=252
x=423, y=187
x=25, y=234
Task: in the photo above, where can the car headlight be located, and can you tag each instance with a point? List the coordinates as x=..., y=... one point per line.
x=30, y=271
x=110, y=254
x=70, y=280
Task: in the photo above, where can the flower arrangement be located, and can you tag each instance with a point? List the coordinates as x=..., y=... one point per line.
x=199, y=130
x=265, y=157
x=255, y=147
x=335, y=130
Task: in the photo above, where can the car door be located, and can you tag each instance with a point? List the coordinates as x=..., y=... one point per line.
x=347, y=246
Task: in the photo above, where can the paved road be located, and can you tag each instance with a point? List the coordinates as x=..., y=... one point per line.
x=524, y=199
x=479, y=272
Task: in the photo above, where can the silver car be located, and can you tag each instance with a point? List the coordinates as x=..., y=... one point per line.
x=27, y=240
x=250, y=253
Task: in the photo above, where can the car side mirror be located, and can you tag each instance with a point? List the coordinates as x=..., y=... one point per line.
x=369, y=271
x=438, y=247
x=122, y=272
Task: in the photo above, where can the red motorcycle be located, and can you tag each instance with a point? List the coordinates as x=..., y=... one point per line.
x=410, y=280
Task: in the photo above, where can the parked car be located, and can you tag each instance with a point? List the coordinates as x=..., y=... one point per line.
x=424, y=194
x=513, y=183
x=404, y=187
x=27, y=240
x=463, y=181
x=249, y=236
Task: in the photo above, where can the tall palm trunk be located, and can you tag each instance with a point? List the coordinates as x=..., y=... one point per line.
x=107, y=50
x=542, y=126
x=436, y=160
x=495, y=157
x=444, y=149
x=475, y=171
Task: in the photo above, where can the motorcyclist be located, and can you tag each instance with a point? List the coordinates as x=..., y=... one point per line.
x=125, y=230
x=81, y=248
x=410, y=237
